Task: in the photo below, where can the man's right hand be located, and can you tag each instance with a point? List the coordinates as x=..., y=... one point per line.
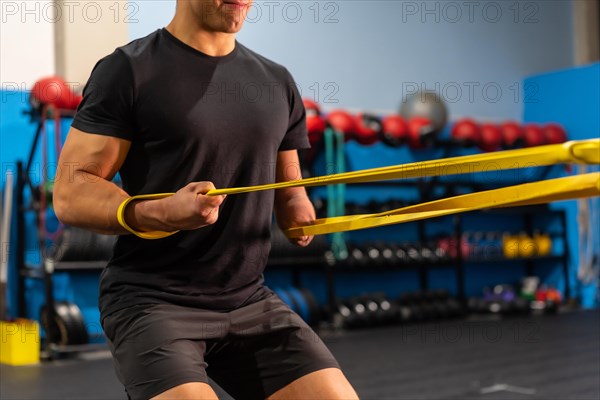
x=189, y=208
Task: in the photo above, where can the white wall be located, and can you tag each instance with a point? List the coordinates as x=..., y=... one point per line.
x=91, y=31
x=369, y=54
x=26, y=42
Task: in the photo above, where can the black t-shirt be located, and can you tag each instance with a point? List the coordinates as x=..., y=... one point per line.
x=192, y=117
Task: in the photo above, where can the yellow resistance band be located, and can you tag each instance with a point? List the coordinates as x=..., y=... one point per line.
x=143, y=235
x=572, y=187
x=580, y=152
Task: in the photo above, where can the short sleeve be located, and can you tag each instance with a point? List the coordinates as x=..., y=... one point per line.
x=296, y=136
x=107, y=105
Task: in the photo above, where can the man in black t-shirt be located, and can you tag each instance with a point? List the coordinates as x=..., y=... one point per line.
x=183, y=110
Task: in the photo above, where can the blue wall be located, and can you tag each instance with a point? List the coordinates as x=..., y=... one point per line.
x=368, y=54
x=572, y=98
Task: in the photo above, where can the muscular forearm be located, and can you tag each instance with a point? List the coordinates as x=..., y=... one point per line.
x=89, y=202
x=92, y=203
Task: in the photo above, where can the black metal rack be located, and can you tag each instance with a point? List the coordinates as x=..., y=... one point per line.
x=327, y=264
x=45, y=269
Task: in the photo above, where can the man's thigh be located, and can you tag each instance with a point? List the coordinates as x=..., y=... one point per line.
x=268, y=347
x=158, y=347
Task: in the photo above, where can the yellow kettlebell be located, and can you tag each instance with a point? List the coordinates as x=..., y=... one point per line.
x=543, y=243
x=527, y=246
x=510, y=246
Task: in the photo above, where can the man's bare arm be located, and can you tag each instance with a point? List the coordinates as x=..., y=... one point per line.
x=84, y=195
x=292, y=205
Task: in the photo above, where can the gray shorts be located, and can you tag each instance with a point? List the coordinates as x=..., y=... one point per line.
x=250, y=352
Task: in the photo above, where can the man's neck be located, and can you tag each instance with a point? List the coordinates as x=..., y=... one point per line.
x=215, y=44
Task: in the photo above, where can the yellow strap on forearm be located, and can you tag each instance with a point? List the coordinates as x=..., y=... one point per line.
x=580, y=152
x=143, y=235
x=571, y=187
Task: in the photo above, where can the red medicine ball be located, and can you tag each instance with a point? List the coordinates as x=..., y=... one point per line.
x=512, y=134
x=418, y=129
x=54, y=91
x=467, y=132
x=533, y=135
x=315, y=123
x=491, y=137
x=368, y=129
x=554, y=134
x=395, y=130
x=342, y=122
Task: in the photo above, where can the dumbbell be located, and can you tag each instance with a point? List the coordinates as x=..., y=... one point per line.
x=362, y=311
x=428, y=254
x=400, y=255
x=374, y=256
x=499, y=307
x=413, y=253
x=425, y=304
x=388, y=255
x=373, y=315
x=356, y=257
x=404, y=314
x=343, y=316
x=388, y=312
x=437, y=299
x=412, y=310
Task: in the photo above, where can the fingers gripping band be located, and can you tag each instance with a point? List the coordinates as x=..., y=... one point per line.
x=143, y=235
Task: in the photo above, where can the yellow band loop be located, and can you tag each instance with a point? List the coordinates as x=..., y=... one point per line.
x=143, y=235
x=571, y=187
x=580, y=152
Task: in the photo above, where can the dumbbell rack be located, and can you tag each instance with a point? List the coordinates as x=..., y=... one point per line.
x=331, y=267
x=459, y=263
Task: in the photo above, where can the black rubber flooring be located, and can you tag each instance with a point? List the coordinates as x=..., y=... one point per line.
x=549, y=357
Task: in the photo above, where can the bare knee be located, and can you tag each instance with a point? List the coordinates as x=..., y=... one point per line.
x=188, y=391
x=326, y=384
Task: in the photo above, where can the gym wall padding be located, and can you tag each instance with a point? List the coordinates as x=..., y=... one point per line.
x=572, y=98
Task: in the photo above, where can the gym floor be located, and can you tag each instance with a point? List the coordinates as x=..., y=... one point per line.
x=545, y=357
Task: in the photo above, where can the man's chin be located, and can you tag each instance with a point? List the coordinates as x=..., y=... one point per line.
x=233, y=27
